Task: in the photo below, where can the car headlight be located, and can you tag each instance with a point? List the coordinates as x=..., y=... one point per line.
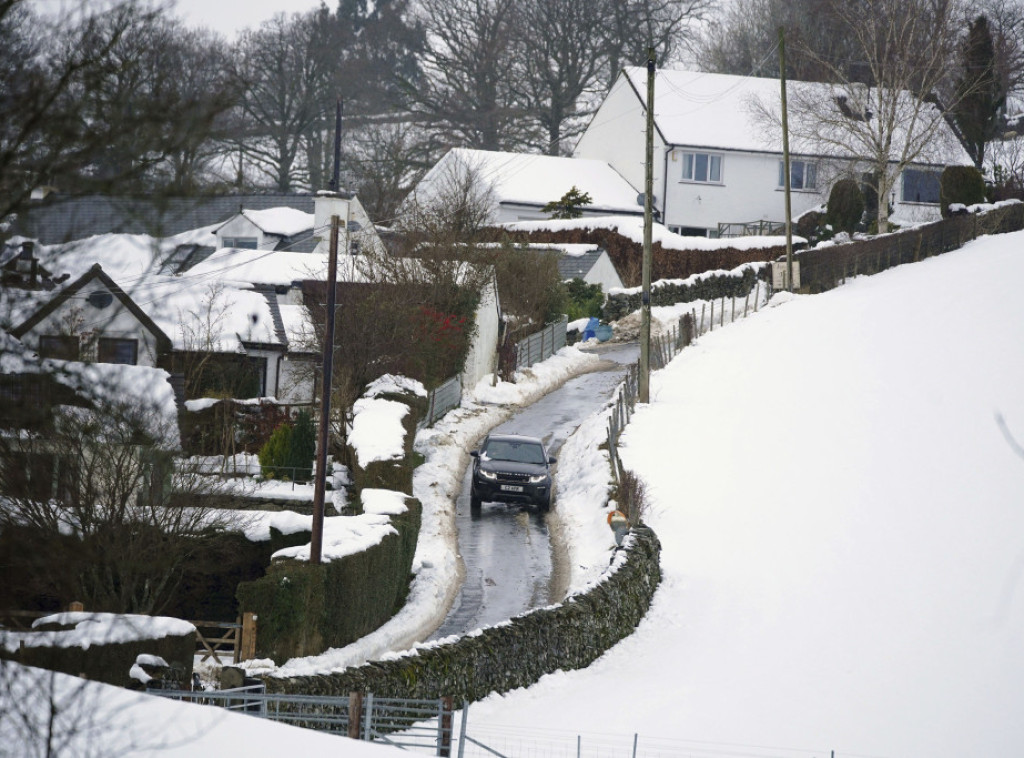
x=488, y=475
x=538, y=478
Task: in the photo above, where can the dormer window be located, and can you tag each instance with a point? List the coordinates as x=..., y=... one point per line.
x=245, y=243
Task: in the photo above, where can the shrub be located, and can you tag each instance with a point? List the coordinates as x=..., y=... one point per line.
x=302, y=447
x=960, y=184
x=583, y=300
x=274, y=455
x=569, y=205
x=845, y=206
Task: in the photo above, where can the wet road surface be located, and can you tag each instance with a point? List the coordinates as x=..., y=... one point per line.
x=506, y=549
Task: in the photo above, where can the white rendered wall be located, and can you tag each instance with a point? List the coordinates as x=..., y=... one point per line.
x=483, y=350
x=76, y=316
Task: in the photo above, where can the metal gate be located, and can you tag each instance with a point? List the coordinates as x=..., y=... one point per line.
x=424, y=725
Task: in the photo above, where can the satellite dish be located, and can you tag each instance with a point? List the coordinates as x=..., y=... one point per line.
x=640, y=199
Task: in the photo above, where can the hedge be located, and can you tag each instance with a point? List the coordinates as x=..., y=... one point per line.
x=736, y=283
x=304, y=609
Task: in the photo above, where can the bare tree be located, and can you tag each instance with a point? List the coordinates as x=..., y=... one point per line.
x=559, y=65
x=884, y=114
x=84, y=101
x=87, y=498
x=285, y=71
x=465, y=91
x=632, y=26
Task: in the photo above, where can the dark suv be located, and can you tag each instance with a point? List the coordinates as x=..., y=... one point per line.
x=509, y=468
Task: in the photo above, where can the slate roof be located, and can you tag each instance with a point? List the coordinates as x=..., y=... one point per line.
x=62, y=219
x=577, y=266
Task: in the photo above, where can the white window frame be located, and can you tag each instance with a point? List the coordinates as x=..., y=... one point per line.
x=809, y=168
x=711, y=161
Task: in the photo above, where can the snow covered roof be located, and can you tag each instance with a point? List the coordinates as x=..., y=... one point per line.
x=283, y=222
x=720, y=111
x=536, y=180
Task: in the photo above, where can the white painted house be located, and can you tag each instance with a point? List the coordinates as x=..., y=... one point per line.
x=286, y=228
x=517, y=185
x=718, y=157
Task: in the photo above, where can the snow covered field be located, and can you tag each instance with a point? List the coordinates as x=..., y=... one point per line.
x=843, y=533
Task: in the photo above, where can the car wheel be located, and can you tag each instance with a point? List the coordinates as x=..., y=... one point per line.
x=544, y=504
x=474, y=502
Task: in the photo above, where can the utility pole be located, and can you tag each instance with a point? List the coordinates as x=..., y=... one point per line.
x=785, y=160
x=319, y=489
x=644, y=379
x=336, y=175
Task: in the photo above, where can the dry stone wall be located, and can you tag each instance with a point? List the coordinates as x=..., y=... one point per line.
x=567, y=636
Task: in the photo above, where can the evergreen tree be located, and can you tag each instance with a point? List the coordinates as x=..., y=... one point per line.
x=569, y=205
x=980, y=92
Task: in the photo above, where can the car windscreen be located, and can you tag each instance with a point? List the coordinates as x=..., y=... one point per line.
x=519, y=452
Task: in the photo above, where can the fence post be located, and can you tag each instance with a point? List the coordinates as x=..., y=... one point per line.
x=444, y=746
x=721, y=315
x=711, y=321
x=246, y=649
x=355, y=714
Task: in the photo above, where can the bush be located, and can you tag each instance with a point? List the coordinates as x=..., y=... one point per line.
x=274, y=456
x=302, y=447
x=960, y=184
x=845, y=206
x=583, y=300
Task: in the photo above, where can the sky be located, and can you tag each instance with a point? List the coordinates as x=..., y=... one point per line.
x=231, y=16
x=839, y=512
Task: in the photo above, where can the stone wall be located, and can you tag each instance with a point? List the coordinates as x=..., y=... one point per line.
x=567, y=636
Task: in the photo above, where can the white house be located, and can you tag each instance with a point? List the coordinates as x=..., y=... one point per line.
x=287, y=228
x=517, y=185
x=718, y=151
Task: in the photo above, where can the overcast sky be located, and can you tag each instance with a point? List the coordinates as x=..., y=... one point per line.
x=231, y=16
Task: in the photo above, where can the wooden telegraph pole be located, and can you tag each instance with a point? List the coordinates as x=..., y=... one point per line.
x=785, y=160
x=644, y=378
x=319, y=489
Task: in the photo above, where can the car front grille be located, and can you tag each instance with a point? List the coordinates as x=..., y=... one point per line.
x=505, y=476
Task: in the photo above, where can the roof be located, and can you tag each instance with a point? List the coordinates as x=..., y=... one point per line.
x=61, y=219
x=720, y=111
x=280, y=221
x=578, y=266
x=96, y=272
x=536, y=180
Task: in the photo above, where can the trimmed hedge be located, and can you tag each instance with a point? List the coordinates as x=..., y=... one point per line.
x=518, y=653
x=627, y=255
x=671, y=292
x=110, y=662
x=960, y=184
x=304, y=609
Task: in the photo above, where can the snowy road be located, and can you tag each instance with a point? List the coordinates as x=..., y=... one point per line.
x=506, y=550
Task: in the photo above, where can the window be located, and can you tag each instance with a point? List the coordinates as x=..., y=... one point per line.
x=803, y=175
x=702, y=167
x=113, y=350
x=62, y=347
x=920, y=186
x=246, y=243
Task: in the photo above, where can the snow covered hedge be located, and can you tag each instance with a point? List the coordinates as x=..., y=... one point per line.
x=710, y=285
x=567, y=636
x=304, y=609
x=102, y=646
